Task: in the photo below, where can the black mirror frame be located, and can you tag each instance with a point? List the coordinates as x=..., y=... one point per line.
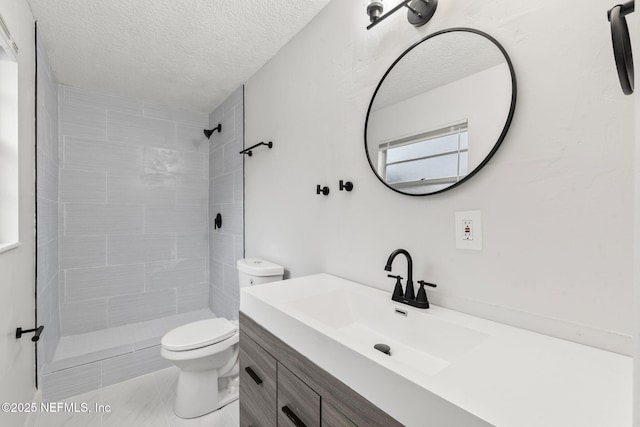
x=504, y=129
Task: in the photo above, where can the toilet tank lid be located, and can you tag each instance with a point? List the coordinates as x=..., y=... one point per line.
x=259, y=267
x=198, y=334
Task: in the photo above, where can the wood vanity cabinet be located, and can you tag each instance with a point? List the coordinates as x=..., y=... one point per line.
x=258, y=381
x=299, y=404
x=280, y=387
x=332, y=417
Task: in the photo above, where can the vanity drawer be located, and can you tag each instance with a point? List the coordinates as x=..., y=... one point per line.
x=249, y=419
x=257, y=385
x=332, y=417
x=298, y=404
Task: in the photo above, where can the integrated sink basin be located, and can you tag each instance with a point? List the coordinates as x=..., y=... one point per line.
x=419, y=342
x=444, y=367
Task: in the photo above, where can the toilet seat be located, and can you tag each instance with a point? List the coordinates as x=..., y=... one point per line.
x=202, y=352
x=198, y=334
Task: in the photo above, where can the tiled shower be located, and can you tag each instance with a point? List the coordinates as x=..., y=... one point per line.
x=125, y=193
x=47, y=161
x=133, y=194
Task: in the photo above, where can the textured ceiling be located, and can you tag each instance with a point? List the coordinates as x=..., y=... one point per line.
x=436, y=62
x=189, y=54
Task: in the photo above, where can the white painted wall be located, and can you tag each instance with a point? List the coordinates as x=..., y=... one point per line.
x=17, y=269
x=556, y=200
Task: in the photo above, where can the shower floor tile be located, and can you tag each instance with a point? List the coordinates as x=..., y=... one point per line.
x=145, y=401
x=101, y=344
x=101, y=358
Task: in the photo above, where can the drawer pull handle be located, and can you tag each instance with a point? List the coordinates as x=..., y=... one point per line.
x=293, y=417
x=253, y=375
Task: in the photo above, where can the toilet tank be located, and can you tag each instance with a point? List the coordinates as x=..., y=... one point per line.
x=255, y=271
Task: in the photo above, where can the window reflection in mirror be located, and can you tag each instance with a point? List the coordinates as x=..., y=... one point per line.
x=427, y=162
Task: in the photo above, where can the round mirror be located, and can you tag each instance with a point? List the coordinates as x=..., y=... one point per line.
x=440, y=112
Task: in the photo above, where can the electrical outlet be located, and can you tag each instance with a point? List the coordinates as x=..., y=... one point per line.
x=468, y=230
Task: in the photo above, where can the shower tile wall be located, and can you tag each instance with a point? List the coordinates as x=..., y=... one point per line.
x=134, y=196
x=47, y=226
x=226, y=197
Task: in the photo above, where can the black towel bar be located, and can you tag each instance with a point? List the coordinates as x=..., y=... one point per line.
x=36, y=336
x=248, y=152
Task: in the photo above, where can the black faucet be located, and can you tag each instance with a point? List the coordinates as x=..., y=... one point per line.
x=409, y=289
x=408, y=297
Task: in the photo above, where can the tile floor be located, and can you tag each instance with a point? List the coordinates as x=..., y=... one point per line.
x=145, y=401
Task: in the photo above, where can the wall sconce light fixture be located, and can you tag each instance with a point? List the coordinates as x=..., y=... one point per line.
x=420, y=11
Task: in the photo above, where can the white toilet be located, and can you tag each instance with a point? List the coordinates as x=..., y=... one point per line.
x=207, y=351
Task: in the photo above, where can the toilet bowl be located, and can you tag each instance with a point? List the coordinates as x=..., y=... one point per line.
x=206, y=352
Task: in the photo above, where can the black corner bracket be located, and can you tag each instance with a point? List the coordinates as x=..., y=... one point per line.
x=36, y=336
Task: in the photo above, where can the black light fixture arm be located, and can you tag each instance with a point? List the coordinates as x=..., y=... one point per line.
x=422, y=11
x=391, y=12
x=414, y=10
x=248, y=151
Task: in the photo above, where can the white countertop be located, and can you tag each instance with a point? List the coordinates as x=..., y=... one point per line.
x=511, y=378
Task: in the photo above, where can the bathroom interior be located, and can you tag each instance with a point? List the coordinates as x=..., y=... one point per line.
x=220, y=171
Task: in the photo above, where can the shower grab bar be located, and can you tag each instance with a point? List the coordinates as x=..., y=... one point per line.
x=248, y=152
x=36, y=336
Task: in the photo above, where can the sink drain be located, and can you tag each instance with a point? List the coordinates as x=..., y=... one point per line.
x=383, y=348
